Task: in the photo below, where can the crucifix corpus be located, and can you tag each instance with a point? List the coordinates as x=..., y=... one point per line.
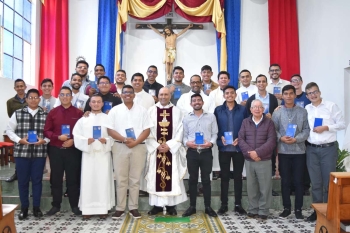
x=170, y=40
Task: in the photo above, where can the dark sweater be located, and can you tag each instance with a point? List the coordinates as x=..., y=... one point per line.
x=261, y=138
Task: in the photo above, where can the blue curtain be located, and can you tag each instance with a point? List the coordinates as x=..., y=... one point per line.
x=107, y=20
x=233, y=35
x=218, y=48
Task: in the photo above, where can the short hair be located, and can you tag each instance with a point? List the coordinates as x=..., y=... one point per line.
x=178, y=68
x=19, y=80
x=66, y=88
x=275, y=64
x=256, y=100
x=33, y=90
x=206, y=67
x=296, y=75
x=46, y=80
x=99, y=65
x=127, y=87
x=123, y=71
x=196, y=75
x=96, y=95
x=260, y=75
x=196, y=95
x=82, y=62
x=103, y=77
x=245, y=70
x=75, y=74
x=310, y=85
x=229, y=87
x=223, y=72
x=138, y=75
x=153, y=66
x=288, y=87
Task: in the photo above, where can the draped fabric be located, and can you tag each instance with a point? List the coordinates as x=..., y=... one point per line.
x=107, y=18
x=163, y=10
x=284, y=38
x=233, y=37
x=54, y=43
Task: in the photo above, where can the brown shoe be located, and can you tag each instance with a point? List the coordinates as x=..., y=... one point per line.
x=117, y=214
x=86, y=217
x=135, y=213
x=103, y=216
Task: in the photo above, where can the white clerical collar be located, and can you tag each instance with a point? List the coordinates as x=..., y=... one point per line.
x=166, y=106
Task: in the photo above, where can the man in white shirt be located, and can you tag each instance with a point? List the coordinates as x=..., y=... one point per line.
x=82, y=68
x=218, y=95
x=325, y=119
x=275, y=72
x=141, y=97
x=47, y=101
x=247, y=89
x=130, y=127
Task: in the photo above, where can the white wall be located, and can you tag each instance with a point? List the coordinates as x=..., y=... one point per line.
x=83, y=21
x=143, y=47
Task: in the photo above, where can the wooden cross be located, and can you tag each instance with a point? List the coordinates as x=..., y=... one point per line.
x=169, y=23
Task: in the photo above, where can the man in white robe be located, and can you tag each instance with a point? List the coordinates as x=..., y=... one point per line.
x=166, y=157
x=97, y=184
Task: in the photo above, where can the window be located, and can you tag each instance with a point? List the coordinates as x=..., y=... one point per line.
x=16, y=32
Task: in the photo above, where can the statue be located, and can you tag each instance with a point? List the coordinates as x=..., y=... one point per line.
x=170, y=46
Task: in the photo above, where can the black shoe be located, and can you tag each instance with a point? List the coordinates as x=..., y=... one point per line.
x=191, y=210
x=37, y=212
x=23, y=214
x=76, y=211
x=171, y=211
x=155, y=210
x=286, y=212
x=298, y=214
x=53, y=211
x=239, y=209
x=274, y=193
x=251, y=215
x=209, y=211
x=223, y=209
x=312, y=217
x=12, y=178
x=262, y=217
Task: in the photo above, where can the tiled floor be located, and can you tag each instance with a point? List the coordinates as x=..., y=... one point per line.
x=66, y=222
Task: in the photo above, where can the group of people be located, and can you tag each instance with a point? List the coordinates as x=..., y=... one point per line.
x=148, y=137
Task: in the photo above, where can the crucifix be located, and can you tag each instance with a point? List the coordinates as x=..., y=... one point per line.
x=164, y=115
x=170, y=41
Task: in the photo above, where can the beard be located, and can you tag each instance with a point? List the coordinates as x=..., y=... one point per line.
x=76, y=87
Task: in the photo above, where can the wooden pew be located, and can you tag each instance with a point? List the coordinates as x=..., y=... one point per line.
x=337, y=209
x=7, y=216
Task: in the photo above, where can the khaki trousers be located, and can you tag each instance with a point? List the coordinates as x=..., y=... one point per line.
x=128, y=166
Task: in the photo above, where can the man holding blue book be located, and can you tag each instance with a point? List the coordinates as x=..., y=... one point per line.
x=292, y=130
x=25, y=129
x=325, y=119
x=276, y=82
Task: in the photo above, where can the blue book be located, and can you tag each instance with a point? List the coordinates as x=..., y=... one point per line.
x=228, y=138
x=32, y=136
x=65, y=130
x=291, y=128
x=266, y=108
x=93, y=84
x=300, y=103
x=177, y=93
x=245, y=96
x=277, y=90
x=107, y=106
x=96, y=132
x=130, y=133
x=199, y=138
x=318, y=122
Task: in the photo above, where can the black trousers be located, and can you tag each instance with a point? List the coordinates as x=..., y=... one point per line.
x=69, y=161
x=196, y=161
x=238, y=164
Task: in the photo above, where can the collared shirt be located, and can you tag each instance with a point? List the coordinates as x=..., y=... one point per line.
x=265, y=100
x=79, y=100
x=257, y=122
x=154, y=86
x=122, y=118
x=144, y=99
x=107, y=97
x=281, y=83
x=332, y=117
x=218, y=96
x=20, y=100
x=205, y=123
x=184, y=103
x=85, y=83
x=183, y=89
x=43, y=102
x=56, y=118
x=252, y=89
x=12, y=125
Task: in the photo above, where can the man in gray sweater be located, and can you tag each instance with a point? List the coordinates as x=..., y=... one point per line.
x=292, y=130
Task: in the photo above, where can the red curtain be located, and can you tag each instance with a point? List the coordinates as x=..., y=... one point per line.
x=284, y=38
x=54, y=43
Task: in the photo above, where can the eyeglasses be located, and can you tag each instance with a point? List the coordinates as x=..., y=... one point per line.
x=276, y=70
x=103, y=84
x=82, y=68
x=196, y=82
x=312, y=93
x=33, y=98
x=295, y=81
x=257, y=107
x=152, y=72
x=127, y=92
x=65, y=95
